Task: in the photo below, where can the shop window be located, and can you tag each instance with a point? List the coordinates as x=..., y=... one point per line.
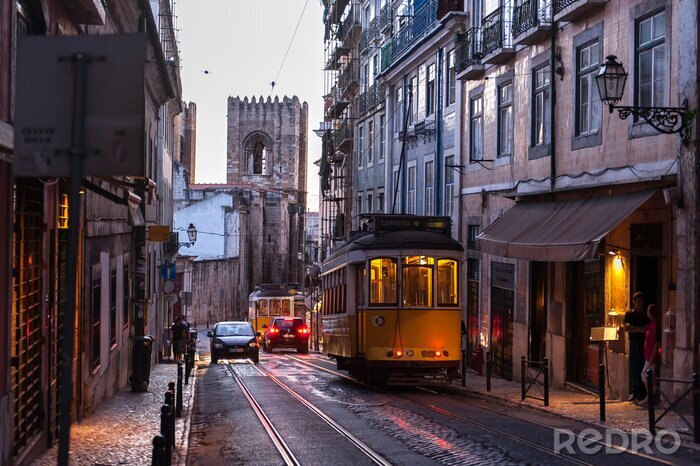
x=382, y=281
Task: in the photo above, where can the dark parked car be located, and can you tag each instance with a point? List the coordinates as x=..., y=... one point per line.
x=233, y=340
x=286, y=332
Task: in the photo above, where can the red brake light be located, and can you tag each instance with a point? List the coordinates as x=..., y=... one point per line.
x=303, y=330
x=274, y=330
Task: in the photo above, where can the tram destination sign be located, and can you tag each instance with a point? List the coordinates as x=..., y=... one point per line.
x=114, y=109
x=386, y=223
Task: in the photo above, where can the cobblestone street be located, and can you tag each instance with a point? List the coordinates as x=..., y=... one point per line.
x=121, y=431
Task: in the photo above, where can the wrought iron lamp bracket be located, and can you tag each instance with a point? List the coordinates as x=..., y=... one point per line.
x=668, y=120
x=172, y=248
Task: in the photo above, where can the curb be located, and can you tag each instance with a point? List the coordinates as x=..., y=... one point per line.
x=184, y=442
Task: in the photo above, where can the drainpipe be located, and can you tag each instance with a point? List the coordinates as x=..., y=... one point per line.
x=552, y=100
x=437, y=183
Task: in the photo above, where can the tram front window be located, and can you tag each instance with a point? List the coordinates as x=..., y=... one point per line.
x=447, y=282
x=275, y=307
x=417, y=281
x=286, y=308
x=262, y=307
x=382, y=289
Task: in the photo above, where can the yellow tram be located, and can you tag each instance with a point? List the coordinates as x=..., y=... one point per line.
x=391, y=307
x=272, y=300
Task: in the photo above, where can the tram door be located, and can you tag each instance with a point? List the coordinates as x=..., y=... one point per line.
x=502, y=303
x=361, y=313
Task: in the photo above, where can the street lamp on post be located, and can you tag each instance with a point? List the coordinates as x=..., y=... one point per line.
x=611, y=80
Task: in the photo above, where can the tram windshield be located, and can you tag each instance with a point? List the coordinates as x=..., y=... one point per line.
x=382, y=289
x=262, y=307
x=417, y=281
x=275, y=307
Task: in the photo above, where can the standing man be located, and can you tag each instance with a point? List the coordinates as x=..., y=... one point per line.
x=636, y=322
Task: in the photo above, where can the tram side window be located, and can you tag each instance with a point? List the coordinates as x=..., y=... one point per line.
x=417, y=281
x=262, y=307
x=447, y=283
x=360, y=285
x=382, y=288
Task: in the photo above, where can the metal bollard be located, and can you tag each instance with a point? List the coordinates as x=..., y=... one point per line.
x=696, y=408
x=545, y=369
x=158, y=455
x=189, y=362
x=523, y=377
x=171, y=404
x=178, y=399
x=650, y=398
x=601, y=390
x=464, y=367
x=488, y=371
x=165, y=431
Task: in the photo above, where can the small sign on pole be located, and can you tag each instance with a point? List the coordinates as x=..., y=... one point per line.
x=159, y=233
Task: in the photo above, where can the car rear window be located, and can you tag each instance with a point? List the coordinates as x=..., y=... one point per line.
x=283, y=324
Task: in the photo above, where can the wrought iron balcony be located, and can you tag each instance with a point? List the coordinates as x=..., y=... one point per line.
x=335, y=103
x=418, y=26
x=568, y=10
x=496, y=35
x=342, y=138
x=364, y=41
x=351, y=28
x=385, y=18
x=374, y=29
x=371, y=98
x=531, y=20
x=349, y=78
x=468, y=54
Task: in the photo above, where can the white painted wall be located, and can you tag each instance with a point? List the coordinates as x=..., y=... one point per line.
x=209, y=216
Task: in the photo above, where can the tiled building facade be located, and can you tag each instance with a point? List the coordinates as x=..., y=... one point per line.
x=488, y=111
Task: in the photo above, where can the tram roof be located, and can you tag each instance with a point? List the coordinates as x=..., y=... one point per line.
x=422, y=240
x=271, y=294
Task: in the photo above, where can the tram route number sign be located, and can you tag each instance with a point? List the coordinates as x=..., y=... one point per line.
x=114, y=108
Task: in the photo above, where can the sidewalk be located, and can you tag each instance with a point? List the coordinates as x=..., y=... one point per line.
x=582, y=406
x=121, y=431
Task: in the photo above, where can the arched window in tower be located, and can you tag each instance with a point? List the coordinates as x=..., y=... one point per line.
x=257, y=154
x=259, y=159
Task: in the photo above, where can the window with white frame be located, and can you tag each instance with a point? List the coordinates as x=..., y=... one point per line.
x=380, y=200
x=396, y=200
x=505, y=120
x=370, y=200
x=359, y=204
x=587, y=98
x=429, y=183
x=650, y=60
x=540, y=109
x=476, y=128
x=430, y=91
x=398, y=110
x=382, y=136
x=449, y=184
x=365, y=77
x=360, y=145
x=411, y=201
x=370, y=142
x=451, y=78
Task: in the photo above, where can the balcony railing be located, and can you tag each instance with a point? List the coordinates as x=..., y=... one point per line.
x=560, y=5
x=495, y=29
x=422, y=21
x=371, y=98
x=385, y=17
x=349, y=77
x=364, y=41
x=374, y=29
x=528, y=14
x=343, y=135
x=351, y=27
x=468, y=49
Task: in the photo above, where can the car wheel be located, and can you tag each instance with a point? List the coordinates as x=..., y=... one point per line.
x=214, y=358
x=303, y=350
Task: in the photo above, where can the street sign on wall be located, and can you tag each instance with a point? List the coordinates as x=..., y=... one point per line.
x=159, y=233
x=115, y=107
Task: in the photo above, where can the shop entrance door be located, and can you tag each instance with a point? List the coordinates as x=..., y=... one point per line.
x=538, y=310
x=584, y=310
x=502, y=303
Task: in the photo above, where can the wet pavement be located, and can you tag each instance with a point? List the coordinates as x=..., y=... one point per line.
x=121, y=431
x=582, y=406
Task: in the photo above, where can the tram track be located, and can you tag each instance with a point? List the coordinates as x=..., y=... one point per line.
x=490, y=428
x=277, y=439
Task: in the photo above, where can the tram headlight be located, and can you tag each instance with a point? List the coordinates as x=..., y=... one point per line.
x=438, y=353
x=398, y=353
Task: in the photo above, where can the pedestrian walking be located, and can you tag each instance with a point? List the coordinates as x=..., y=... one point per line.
x=651, y=345
x=636, y=322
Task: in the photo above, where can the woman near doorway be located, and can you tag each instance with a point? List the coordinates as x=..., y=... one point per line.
x=651, y=345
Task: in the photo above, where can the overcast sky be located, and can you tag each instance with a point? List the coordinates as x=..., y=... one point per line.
x=241, y=44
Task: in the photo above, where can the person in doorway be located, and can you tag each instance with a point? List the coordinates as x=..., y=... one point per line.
x=636, y=322
x=651, y=345
x=177, y=331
